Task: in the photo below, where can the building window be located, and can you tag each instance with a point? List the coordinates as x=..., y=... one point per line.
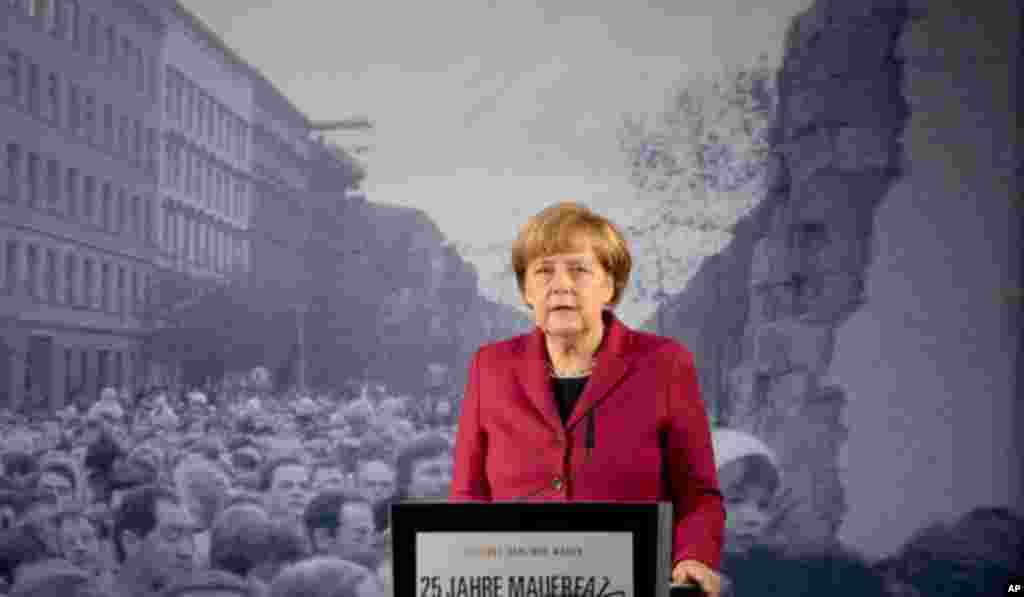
x=133, y=305
x=33, y=179
x=11, y=266
x=229, y=134
x=53, y=182
x=93, y=35
x=106, y=294
x=133, y=217
x=53, y=98
x=14, y=75
x=32, y=279
x=108, y=126
x=137, y=147
x=127, y=62
x=151, y=151
x=69, y=280
x=13, y=172
x=122, y=208
x=143, y=291
x=72, y=192
x=187, y=93
x=111, y=44
x=33, y=88
x=152, y=74
x=186, y=238
x=51, y=276
x=89, y=204
x=89, y=115
x=106, y=205
x=200, y=113
x=74, y=110
x=140, y=71
x=166, y=227
x=60, y=29
x=71, y=20
x=169, y=88
x=121, y=287
x=89, y=283
x=124, y=136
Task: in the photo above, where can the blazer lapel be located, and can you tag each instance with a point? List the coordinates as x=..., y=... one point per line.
x=612, y=365
x=536, y=381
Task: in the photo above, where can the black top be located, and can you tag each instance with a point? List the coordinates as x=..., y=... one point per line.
x=567, y=391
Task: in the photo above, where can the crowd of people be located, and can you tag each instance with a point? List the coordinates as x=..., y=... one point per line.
x=227, y=493
x=244, y=493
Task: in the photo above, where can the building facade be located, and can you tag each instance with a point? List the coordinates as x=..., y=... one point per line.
x=141, y=155
x=281, y=153
x=206, y=172
x=79, y=132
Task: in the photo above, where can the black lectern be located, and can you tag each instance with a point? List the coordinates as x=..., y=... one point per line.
x=517, y=549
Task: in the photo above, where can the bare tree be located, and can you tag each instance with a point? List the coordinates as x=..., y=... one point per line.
x=697, y=169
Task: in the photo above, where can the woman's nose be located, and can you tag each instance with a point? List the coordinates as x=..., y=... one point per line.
x=561, y=279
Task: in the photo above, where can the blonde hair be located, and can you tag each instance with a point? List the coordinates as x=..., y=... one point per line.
x=567, y=227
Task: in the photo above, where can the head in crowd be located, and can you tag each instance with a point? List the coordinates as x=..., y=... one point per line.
x=287, y=546
x=748, y=473
x=59, y=479
x=359, y=415
x=976, y=555
x=10, y=508
x=996, y=534
x=55, y=578
x=103, y=450
x=325, y=577
x=19, y=467
x=328, y=475
x=39, y=517
x=209, y=583
x=153, y=535
x=79, y=539
x=204, y=486
x=765, y=572
x=20, y=547
x=150, y=454
x=376, y=478
x=127, y=475
x=340, y=523
x=424, y=468
x=240, y=539
x=286, y=486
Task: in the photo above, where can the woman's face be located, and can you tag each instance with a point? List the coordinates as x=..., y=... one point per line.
x=567, y=292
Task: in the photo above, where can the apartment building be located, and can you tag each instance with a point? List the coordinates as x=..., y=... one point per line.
x=79, y=133
x=206, y=166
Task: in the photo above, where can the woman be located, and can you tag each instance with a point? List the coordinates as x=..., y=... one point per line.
x=585, y=409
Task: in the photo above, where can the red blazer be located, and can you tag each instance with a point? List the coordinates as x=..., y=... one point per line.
x=651, y=441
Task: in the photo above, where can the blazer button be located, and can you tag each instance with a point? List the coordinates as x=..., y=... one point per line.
x=557, y=484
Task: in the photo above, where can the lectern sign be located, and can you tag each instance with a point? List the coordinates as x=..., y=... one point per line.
x=518, y=549
x=524, y=564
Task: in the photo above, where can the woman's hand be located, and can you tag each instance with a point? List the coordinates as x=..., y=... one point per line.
x=692, y=571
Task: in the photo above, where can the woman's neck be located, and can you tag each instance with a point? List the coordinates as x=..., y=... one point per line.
x=576, y=353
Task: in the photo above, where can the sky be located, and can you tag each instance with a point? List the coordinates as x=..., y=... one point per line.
x=487, y=111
